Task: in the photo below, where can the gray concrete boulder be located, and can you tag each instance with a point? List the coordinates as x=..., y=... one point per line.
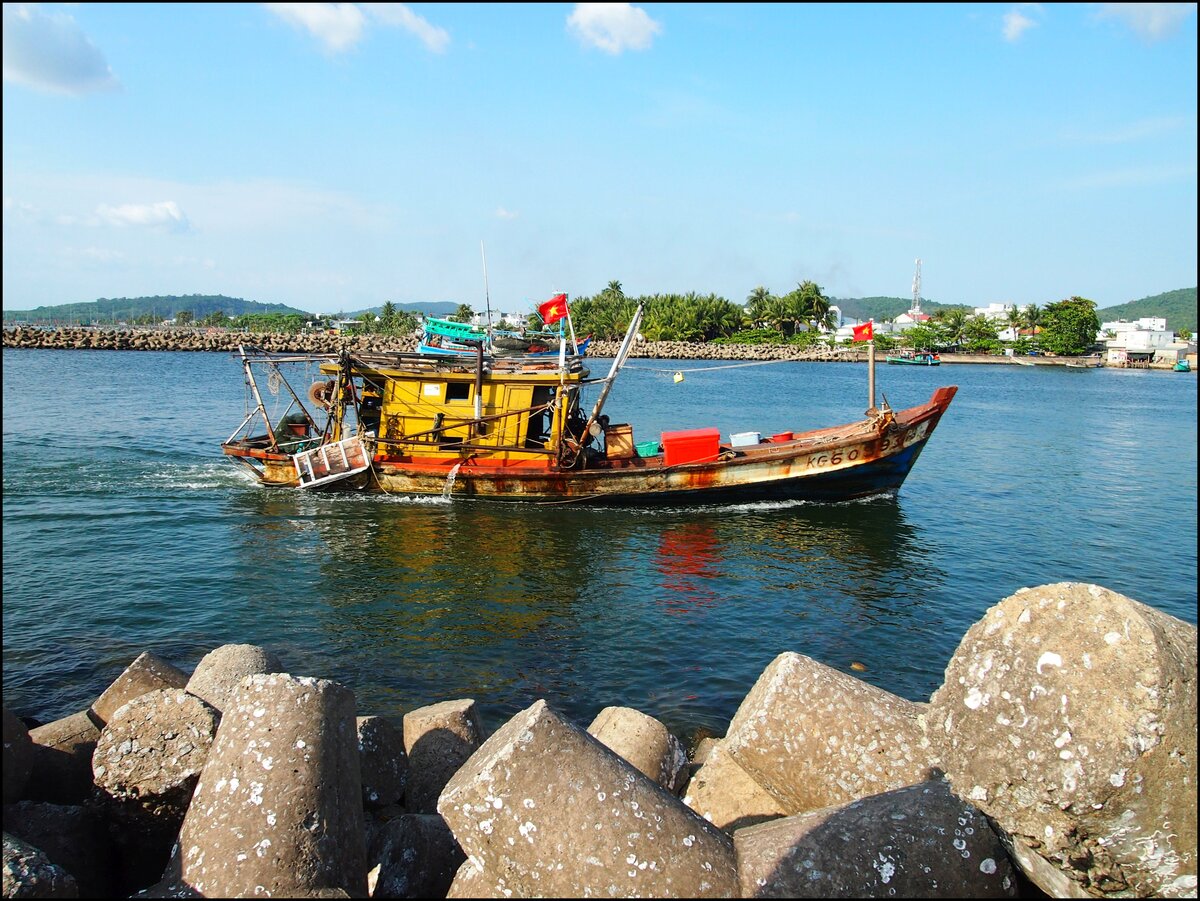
x=545, y=809
x=438, y=740
x=469, y=882
x=28, y=873
x=147, y=762
x=72, y=837
x=221, y=670
x=413, y=856
x=644, y=742
x=913, y=842
x=62, y=759
x=727, y=796
x=278, y=809
x=148, y=672
x=382, y=760
x=815, y=737
x=1068, y=715
x=18, y=757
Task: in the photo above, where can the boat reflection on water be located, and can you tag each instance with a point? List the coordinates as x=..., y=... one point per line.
x=674, y=612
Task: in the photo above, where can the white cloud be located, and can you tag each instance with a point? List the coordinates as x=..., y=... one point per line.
x=434, y=38
x=1127, y=134
x=51, y=53
x=502, y=213
x=1136, y=177
x=1152, y=21
x=1016, y=23
x=339, y=26
x=165, y=215
x=613, y=27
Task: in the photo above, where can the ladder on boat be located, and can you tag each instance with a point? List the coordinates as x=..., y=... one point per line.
x=331, y=462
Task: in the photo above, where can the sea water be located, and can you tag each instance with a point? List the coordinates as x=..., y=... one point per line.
x=126, y=530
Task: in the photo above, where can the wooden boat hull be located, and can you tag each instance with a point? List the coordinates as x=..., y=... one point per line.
x=861, y=459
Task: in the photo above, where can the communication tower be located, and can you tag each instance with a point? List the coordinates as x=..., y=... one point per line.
x=916, y=307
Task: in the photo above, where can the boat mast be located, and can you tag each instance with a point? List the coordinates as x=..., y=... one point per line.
x=487, y=298
x=257, y=397
x=617, y=363
x=871, y=372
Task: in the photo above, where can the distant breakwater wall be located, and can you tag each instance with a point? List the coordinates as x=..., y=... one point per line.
x=1060, y=749
x=224, y=340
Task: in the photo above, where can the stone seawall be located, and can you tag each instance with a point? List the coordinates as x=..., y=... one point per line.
x=1057, y=758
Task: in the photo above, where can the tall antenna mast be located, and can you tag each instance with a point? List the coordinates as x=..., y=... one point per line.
x=916, y=307
x=487, y=299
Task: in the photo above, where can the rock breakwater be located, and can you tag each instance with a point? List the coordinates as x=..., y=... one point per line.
x=225, y=340
x=1058, y=756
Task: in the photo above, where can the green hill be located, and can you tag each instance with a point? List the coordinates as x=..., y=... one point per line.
x=1177, y=307
x=111, y=310
x=881, y=308
x=108, y=310
x=439, y=308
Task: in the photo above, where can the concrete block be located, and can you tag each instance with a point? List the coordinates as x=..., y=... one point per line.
x=278, y=809
x=815, y=737
x=545, y=809
x=62, y=759
x=413, y=856
x=438, y=740
x=727, y=796
x=644, y=742
x=18, y=757
x=148, y=672
x=382, y=760
x=219, y=671
x=914, y=842
x=28, y=873
x=146, y=765
x=1068, y=715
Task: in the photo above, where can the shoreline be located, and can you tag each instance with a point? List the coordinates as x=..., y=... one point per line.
x=223, y=340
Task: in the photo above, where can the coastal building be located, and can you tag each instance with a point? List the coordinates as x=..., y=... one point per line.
x=1142, y=341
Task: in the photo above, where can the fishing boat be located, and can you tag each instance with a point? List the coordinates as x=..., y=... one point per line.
x=516, y=427
x=446, y=336
x=1182, y=366
x=910, y=358
x=1084, y=363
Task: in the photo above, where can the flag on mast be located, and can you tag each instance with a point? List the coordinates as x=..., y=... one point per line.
x=554, y=309
x=865, y=332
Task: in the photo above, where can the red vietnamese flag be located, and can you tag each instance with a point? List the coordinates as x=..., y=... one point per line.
x=554, y=309
x=864, y=332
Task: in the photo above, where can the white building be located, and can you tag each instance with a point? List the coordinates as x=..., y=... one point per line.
x=1136, y=342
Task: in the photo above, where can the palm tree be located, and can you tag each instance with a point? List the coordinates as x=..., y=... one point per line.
x=464, y=313
x=1032, y=316
x=1014, y=320
x=614, y=291
x=954, y=323
x=757, y=302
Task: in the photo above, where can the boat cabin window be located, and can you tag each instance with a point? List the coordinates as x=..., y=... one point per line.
x=458, y=391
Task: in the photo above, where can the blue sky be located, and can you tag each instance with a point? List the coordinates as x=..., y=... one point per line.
x=332, y=157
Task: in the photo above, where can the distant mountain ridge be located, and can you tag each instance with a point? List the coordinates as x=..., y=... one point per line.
x=1178, y=307
x=168, y=306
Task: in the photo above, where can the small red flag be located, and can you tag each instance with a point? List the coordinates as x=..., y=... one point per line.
x=864, y=332
x=554, y=309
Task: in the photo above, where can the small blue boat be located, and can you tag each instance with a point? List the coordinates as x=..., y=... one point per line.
x=916, y=359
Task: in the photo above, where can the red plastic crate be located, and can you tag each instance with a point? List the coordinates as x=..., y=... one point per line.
x=691, y=446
